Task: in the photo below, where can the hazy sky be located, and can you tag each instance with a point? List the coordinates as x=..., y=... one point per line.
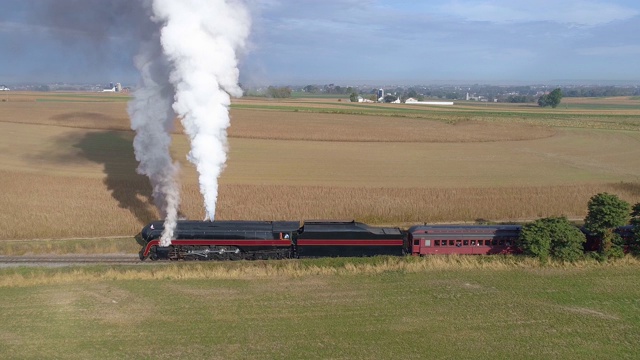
x=347, y=42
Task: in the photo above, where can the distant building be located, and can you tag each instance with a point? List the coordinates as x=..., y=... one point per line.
x=117, y=87
x=4, y=88
x=412, y=101
x=476, y=97
x=380, y=95
x=363, y=100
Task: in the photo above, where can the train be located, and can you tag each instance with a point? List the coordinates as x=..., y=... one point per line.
x=254, y=240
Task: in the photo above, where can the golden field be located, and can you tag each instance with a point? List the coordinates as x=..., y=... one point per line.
x=67, y=167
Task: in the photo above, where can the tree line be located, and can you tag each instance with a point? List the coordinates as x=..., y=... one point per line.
x=557, y=238
x=511, y=94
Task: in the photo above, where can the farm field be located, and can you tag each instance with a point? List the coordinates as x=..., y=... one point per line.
x=67, y=172
x=381, y=308
x=67, y=166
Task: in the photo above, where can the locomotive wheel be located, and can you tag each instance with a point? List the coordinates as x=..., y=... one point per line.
x=235, y=256
x=153, y=256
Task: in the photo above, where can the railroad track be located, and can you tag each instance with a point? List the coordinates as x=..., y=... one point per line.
x=65, y=260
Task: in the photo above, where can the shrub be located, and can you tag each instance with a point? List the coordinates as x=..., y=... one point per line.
x=554, y=237
x=635, y=221
x=606, y=213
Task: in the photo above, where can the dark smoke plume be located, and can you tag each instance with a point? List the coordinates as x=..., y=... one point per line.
x=188, y=65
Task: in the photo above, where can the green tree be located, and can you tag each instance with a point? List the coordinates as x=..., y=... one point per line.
x=554, y=237
x=635, y=221
x=353, y=97
x=606, y=213
x=551, y=99
x=555, y=97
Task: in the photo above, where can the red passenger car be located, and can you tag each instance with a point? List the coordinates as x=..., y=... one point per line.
x=463, y=239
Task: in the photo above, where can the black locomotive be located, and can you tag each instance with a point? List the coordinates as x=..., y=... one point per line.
x=235, y=240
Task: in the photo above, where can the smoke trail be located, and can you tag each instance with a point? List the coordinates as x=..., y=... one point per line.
x=152, y=119
x=188, y=66
x=201, y=38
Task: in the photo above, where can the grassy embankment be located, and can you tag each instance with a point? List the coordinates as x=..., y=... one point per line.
x=381, y=308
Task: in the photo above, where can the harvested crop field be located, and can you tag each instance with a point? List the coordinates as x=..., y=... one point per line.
x=110, y=114
x=257, y=124
x=68, y=169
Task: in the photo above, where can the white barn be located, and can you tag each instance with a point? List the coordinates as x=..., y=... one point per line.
x=413, y=101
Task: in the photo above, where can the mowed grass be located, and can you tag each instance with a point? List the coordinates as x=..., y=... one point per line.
x=379, y=309
x=67, y=170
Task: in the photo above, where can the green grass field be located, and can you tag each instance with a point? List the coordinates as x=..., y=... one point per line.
x=319, y=309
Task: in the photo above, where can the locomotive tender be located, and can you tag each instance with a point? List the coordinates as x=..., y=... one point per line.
x=236, y=240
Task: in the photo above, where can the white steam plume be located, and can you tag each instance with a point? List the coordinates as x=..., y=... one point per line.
x=189, y=68
x=201, y=38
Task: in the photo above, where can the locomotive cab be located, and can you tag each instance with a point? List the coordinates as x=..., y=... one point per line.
x=220, y=240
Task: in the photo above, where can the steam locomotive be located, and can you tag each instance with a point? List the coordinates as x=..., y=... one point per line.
x=237, y=240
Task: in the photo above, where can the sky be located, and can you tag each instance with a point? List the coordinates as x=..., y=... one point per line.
x=346, y=42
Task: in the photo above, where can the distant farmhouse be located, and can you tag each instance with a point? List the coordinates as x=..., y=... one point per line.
x=117, y=87
x=4, y=88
